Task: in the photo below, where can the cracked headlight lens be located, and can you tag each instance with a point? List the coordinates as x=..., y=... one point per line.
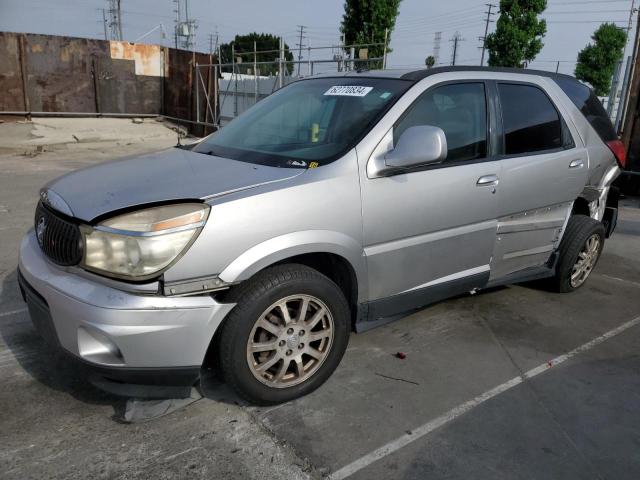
x=140, y=244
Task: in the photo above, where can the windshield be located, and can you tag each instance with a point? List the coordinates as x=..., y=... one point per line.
x=306, y=124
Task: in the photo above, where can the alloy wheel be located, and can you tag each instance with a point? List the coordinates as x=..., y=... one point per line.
x=586, y=260
x=290, y=341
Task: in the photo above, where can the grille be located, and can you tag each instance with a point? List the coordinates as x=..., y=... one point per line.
x=58, y=238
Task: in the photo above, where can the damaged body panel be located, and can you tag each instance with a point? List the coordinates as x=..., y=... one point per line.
x=172, y=175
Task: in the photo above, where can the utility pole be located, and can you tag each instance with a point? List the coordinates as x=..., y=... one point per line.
x=176, y=23
x=630, y=97
x=457, y=38
x=343, y=41
x=255, y=72
x=115, y=19
x=300, y=45
x=384, y=54
x=631, y=12
x=624, y=51
x=119, y=21
x=185, y=29
x=280, y=63
x=211, y=44
x=486, y=31
x=104, y=23
x=436, y=46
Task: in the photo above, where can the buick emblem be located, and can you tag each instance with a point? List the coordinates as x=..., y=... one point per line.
x=41, y=227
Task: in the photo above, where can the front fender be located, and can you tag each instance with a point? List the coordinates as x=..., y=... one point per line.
x=282, y=247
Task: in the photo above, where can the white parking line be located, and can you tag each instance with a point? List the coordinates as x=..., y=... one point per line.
x=463, y=408
x=618, y=279
x=12, y=312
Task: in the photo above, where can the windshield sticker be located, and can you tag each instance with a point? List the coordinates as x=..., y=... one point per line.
x=348, y=90
x=385, y=95
x=296, y=163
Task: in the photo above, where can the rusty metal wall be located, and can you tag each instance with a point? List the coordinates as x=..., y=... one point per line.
x=180, y=87
x=45, y=73
x=58, y=71
x=11, y=89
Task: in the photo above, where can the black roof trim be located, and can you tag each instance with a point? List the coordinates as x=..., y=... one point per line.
x=418, y=75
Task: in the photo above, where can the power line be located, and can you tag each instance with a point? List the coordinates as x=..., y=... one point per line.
x=434, y=23
x=431, y=18
x=588, y=21
x=582, y=2
x=584, y=12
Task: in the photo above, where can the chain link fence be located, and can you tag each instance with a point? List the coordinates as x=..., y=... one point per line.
x=225, y=90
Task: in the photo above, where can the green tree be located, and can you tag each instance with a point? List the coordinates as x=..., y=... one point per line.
x=365, y=21
x=430, y=61
x=264, y=42
x=518, y=35
x=597, y=61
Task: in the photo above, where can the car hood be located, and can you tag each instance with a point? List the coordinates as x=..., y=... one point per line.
x=173, y=174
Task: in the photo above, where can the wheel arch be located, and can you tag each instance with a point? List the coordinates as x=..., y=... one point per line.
x=335, y=255
x=581, y=207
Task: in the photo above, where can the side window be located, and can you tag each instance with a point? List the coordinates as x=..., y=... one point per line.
x=531, y=122
x=460, y=110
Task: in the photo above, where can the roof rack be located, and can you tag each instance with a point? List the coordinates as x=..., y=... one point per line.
x=417, y=75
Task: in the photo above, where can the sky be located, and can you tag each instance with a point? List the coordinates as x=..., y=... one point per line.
x=570, y=24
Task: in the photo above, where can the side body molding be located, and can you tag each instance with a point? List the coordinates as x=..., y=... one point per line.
x=298, y=243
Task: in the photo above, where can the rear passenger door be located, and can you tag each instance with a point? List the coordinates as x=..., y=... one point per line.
x=542, y=171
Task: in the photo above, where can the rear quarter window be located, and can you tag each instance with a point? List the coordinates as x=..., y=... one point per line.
x=587, y=102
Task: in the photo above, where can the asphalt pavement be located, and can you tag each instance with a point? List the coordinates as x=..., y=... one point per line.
x=513, y=382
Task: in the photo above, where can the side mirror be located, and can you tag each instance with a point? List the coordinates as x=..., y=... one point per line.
x=419, y=145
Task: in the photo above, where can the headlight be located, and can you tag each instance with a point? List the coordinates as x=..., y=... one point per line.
x=138, y=245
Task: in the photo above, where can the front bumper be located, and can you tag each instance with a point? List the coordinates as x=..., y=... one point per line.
x=130, y=337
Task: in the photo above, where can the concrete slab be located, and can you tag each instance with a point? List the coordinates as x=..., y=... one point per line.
x=54, y=132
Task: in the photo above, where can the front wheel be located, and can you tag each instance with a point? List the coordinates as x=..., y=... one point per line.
x=286, y=335
x=579, y=252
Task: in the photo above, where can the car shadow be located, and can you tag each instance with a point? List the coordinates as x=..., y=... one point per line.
x=51, y=368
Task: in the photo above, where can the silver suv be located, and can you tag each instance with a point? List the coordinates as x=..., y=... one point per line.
x=336, y=204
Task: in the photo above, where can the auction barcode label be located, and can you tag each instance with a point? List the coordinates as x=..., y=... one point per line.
x=349, y=90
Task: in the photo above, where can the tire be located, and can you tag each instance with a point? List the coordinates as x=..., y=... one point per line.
x=259, y=300
x=580, y=230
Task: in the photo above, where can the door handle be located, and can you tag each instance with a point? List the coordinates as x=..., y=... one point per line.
x=488, y=181
x=576, y=164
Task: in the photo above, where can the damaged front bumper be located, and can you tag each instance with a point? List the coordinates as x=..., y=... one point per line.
x=144, y=339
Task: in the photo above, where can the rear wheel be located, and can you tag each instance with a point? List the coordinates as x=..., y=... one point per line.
x=286, y=335
x=579, y=252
